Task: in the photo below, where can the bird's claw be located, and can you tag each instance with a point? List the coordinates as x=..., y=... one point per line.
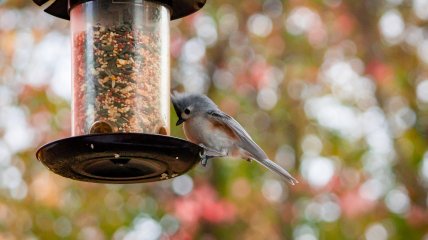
x=204, y=158
x=208, y=153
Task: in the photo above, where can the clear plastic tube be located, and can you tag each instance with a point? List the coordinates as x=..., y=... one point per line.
x=120, y=67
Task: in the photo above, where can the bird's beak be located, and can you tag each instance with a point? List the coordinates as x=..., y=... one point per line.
x=179, y=121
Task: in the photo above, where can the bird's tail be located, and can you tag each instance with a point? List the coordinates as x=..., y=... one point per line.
x=278, y=169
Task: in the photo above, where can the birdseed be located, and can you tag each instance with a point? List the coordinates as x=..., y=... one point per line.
x=116, y=85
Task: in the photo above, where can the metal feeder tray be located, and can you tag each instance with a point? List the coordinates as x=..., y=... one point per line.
x=120, y=157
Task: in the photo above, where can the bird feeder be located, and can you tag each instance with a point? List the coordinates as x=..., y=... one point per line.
x=121, y=89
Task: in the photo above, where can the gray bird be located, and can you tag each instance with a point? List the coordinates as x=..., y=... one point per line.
x=218, y=133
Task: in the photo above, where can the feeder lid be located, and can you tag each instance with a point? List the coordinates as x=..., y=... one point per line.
x=179, y=8
x=120, y=157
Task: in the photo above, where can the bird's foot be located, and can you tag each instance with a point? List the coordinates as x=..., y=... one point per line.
x=209, y=153
x=212, y=152
x=204, y=158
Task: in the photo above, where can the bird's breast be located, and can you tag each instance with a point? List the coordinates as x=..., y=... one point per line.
x=200, y=129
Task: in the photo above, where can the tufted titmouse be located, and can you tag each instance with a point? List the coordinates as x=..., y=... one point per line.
x=218, y=133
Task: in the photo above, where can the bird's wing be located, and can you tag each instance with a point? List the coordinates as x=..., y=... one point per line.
x=247, y=143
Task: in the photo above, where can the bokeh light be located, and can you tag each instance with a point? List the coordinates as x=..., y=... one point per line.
x=334, y=91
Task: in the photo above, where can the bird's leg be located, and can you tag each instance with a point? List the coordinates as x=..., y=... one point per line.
x=204, y=158
x=213, y=152
x=209, y=153
x=204, y=155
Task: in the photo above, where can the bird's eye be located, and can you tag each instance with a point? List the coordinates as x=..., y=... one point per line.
x=186, y=111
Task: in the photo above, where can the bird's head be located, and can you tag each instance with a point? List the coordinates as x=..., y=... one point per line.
x=187, y=105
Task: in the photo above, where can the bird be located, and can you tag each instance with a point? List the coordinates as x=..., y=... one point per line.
x=219, y=134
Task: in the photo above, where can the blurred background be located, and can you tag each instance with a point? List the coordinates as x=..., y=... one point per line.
x=335, y=91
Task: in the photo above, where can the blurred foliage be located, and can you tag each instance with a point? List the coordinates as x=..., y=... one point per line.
x=335, y=91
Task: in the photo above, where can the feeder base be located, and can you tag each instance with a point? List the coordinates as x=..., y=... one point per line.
x=120, y=157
